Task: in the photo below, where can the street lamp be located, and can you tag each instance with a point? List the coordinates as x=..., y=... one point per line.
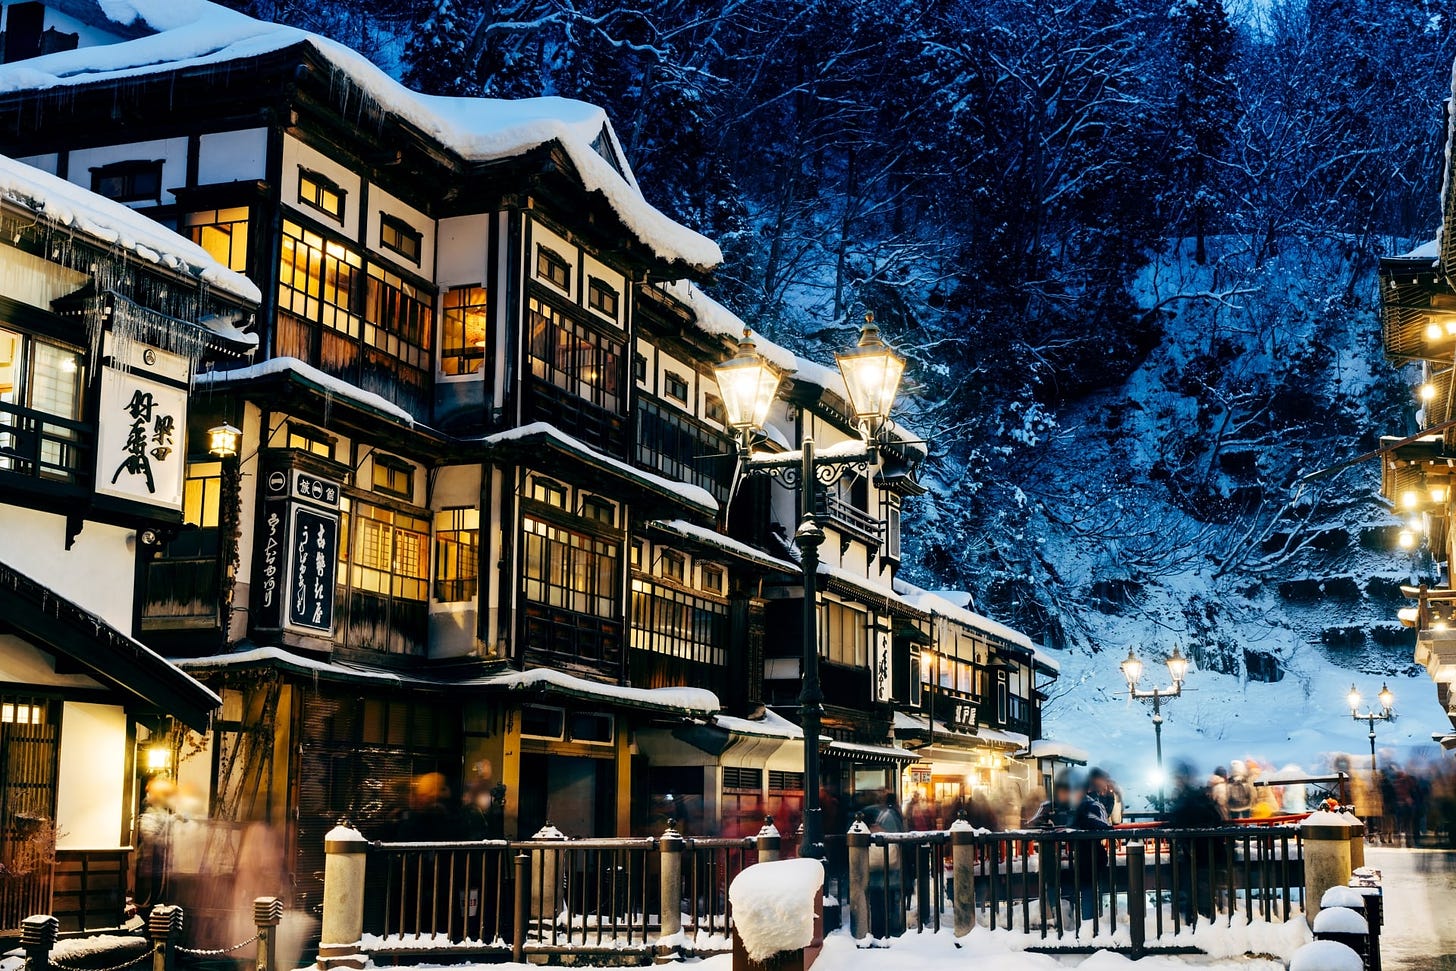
x=223, y=440
x=1370, y=716
x=748, y=384
x=1132, y=671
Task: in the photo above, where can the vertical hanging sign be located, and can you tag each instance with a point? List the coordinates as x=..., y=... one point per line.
x=884, y=682
x=270, y=562
x=141, y=447
x=313, y=553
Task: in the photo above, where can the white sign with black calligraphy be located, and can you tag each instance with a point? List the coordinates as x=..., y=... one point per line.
x=141, y=439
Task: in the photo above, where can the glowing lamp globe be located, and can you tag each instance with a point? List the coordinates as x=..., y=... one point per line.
x=1387, y=697
x=872, y=375
x=1427, y=392
x=223, y=440
x=1406, y=539
x=748, y=385
x=1177, y=666
x=1353, y=698
x=1132, y=669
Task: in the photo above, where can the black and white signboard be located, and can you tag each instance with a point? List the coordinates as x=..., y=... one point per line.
x=298, y=552
x=314, y=551
x=141, y=444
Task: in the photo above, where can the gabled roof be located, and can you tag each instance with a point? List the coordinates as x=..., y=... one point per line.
x=189, y=34
x=118, y=661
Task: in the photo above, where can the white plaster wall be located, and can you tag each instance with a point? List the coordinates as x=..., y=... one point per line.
x=172, y=152
x=46, y=163
x=595, y=268
x=233, y=156
x=381, y=201
x=541, y=236
x=37, y=281
x=21, y=662
x=296, y=154
x=464, y=245
x=97, y=573
x=92, y=779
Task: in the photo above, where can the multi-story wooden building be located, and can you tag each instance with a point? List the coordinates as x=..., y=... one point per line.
x=104, y=317
x=485, y=526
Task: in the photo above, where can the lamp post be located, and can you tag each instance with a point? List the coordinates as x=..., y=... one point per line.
x=1371, y=716
x=1132, y=672
x=749, y=384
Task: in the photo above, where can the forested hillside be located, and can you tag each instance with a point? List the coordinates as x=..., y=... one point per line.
x=1128, y=244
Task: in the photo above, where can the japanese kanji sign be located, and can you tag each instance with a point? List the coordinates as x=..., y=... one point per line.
x=141, y=448
x=312, y=556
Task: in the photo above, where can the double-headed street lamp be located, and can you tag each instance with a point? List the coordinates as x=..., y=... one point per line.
x=749, y=384
x=1132, y=671
x=1370, y=716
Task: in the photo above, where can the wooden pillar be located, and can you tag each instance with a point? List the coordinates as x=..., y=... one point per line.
x=509, y=770
x=623, y=757
x=280, y=790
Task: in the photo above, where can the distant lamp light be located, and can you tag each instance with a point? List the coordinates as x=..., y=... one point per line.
x=872, y=375
x=223, y=440
x=1406, y=539
x=1434, y=332
x=748, y=385
x=1387, y=698
x=1410, y=499
x=1451, y=325
x=1438, y=493
x=158, y=758
x=1177, y=666
x=1353, y=698
x=1427, y=392
x=1132, y=669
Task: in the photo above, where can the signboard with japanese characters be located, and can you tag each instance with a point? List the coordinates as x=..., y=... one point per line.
x=959, y=714
x=271, y=560
x=883, y=679
x=313, y=551
x=141, y=444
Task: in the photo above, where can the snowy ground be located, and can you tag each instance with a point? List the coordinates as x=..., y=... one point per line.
x=1420, y=897
x=1301, y=721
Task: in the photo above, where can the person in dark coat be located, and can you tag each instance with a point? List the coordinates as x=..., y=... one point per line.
x=1072, y=807
x=1193, y=808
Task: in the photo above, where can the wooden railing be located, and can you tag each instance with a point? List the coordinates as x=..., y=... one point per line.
x=44, y=448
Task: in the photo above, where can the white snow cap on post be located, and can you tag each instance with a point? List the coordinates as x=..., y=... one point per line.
x=1340, y=920
x=1326, y=956
x=773, y=906
x=344, y=834
x=1343, y=897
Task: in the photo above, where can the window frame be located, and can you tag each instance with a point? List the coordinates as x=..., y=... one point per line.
x=548, y=260
x=392, y=466
x=598, y=293
x=404, y=233
x=672, y=380
x=456, y=551
x=323, y=187
x=311, y=435
x=128, y=170
x=454, y=317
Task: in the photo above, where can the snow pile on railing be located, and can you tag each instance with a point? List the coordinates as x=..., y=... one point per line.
x=773, y=906
x=1326, y=956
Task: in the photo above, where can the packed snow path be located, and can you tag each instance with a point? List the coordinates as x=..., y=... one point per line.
x=1420, y=898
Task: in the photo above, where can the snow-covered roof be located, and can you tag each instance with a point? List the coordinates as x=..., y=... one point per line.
x=195, y=33
x=938, y=604
x=689, y=701
x=729, y=545
x=771, y=725
x=312, y=375
x=110, y=223
x=277, y=656
x=691, y=494
x=1048, y=748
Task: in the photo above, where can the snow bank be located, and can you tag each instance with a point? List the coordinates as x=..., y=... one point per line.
x=773, y=906
x=192, y=33
x=313, y=375
x=1339, y=920
x=1326, y=956
x=73, y=207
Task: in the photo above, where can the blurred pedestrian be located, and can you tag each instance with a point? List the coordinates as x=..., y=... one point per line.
x=1105, y=791
x=1240, y=800
x=1193, y=807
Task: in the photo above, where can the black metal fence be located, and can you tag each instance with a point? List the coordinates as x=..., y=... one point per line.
x=609, y=895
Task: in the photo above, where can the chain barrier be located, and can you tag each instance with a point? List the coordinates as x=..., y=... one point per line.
x=211, y=952
x=144, y=956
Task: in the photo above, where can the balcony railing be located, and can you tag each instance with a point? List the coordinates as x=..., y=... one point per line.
x=846, y=515
x=42, y=447
x=182, y=593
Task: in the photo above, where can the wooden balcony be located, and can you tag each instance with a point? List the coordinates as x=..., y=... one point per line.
x=599, y=428
x=845, y=516
x=44, y=453
x=182, y=594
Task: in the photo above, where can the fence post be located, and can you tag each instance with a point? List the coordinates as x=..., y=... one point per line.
x=963, y=874
x=163, y=926
x=858, y=842
x=1137, y=896
x=670, y=899
x=546, y=889
x=1326, y=858
x=267, y=912
x=769, y=841
x=346, y=856
x=1357, y=841
x=521, y=897
x=38, y=936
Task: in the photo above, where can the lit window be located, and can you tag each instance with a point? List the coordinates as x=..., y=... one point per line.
x=843, y=634
x=310, y=440
x=201, y=493
x=223, y=233
x=599, y=509
x=322, y=193
x=549, y=492
x=574, y=357
x=457, y=556
x=463, y=337
x=135, y=180
x=714, y=579
x=553, y=268
x=569, y=570
x=37, y=376
x=601, y=298
x=393, y=476
x=391, y=552
x=400, y=237
x=675, y=386
x=674, y=565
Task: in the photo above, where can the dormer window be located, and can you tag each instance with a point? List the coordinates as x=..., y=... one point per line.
x=135, y=180
x=675, y=386
x=322, y=193
x=308, y=439
x=549, y=492
x=553, y=268
x=674, y=566
x=601, y=298
x=601, y=510
x=400, y=237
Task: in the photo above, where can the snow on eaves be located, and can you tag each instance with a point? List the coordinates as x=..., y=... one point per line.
x=195, y=33
x=694, y=495
x=329, y=383
x=693, y=701
x=110, y=223
x=729, y=545
x=937, y=604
